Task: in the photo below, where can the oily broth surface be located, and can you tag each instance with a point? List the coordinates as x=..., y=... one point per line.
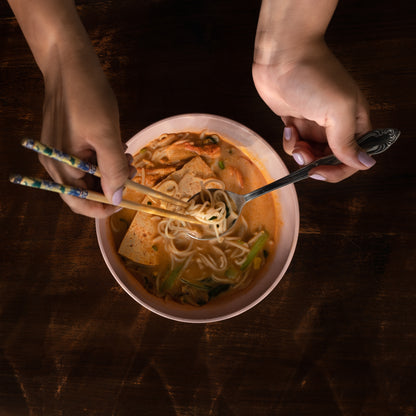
x=241, y=175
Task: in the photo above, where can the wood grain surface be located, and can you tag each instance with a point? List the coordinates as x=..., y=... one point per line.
x=338, y=334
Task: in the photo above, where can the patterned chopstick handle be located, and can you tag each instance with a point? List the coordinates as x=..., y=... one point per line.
x=94, y=196
x=48, y=186
x=60, y=156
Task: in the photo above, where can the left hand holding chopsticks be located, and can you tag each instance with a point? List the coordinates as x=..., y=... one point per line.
x=90, y=195
x=81, y=118
x=80, y=112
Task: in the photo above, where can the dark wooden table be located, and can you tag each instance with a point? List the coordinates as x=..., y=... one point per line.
x=336, y=337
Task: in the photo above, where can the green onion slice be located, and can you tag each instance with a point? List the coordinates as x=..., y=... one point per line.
x=171, y=279
x=257, y=246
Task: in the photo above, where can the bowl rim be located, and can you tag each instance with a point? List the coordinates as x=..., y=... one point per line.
x=290, y=190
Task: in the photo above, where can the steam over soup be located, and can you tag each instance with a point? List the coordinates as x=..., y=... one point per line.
x=159, y=252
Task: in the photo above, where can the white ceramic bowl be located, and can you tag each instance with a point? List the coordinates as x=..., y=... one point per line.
x=223, y=307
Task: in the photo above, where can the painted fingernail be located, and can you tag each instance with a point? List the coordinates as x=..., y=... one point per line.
x=117, y=196
x=298, y=158
x=287, y=133
x=317, y=177
x=366, y=159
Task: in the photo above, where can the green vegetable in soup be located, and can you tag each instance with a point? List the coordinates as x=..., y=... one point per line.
x=171, y=279
x=197, y=285
x=257, y=247
x=208, y=286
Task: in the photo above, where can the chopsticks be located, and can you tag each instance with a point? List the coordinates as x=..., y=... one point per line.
x=92, y=195
x=95, y=196
x=93, y=170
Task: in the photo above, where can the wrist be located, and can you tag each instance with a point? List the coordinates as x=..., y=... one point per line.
x=287, y=29
x=65, y=50
x=65, y=59
x=282, y=60
x=50, y=28
x=269, y=52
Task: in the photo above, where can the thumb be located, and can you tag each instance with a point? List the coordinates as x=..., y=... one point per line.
x=114, y=169
x=341, y=139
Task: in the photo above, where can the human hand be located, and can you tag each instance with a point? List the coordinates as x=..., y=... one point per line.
x=80, y=117
x=322, y=107
x=80, y=114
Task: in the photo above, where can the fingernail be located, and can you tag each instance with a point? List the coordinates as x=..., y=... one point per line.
x=366, y=159
x=298, y=158
x=317, y=177
x=117, y=196
x=287, y=133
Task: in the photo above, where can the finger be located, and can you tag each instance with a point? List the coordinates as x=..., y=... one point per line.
x=363, y=122
x=300, y=150
x=341, y=134
x=89, y=208
x=114, y=168
x=132, y=172
x=68, y=175
x=129, y=158
x=78, y=205
x=332, y=174
x=302, y=153
x=86, y=207
x=290, y=138
x=61, y=172
x=132, y=169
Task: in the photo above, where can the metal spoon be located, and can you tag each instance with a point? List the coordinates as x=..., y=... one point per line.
x=373, y=142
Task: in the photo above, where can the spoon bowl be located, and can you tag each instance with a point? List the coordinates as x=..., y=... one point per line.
x=373, y=142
